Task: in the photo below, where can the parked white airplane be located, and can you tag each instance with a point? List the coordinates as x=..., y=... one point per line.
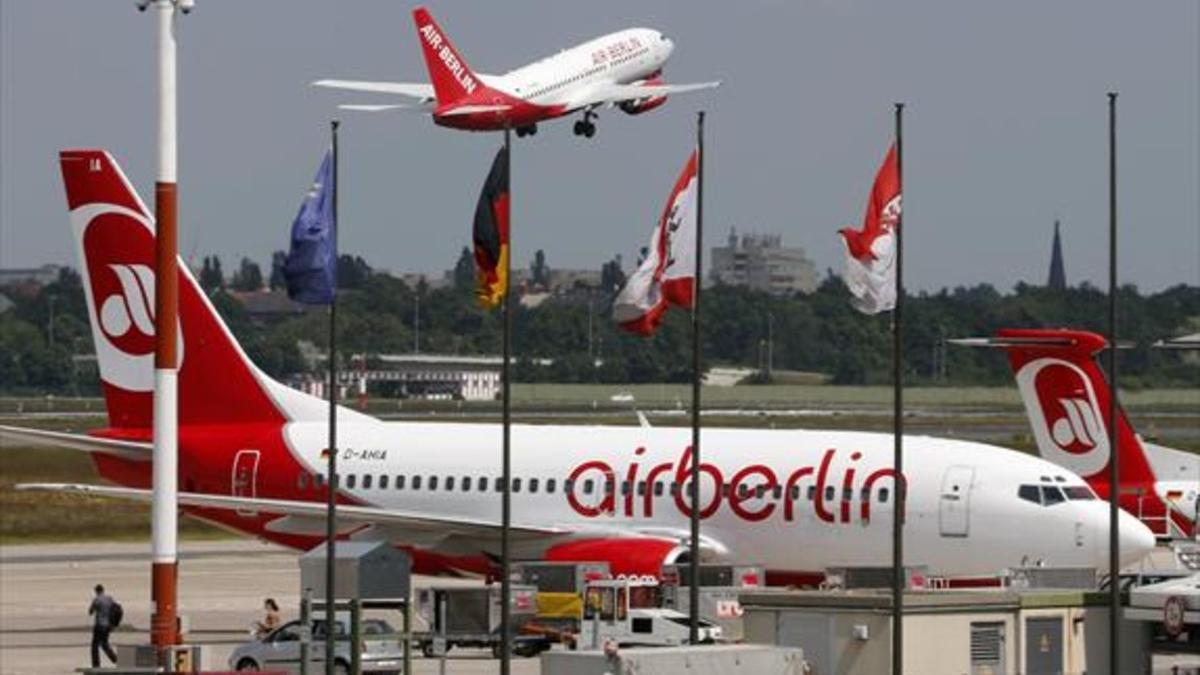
x=622, y=69
x=799, y=502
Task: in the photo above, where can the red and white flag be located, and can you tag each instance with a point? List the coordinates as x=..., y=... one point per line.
x=667, y=275
x=871, y=251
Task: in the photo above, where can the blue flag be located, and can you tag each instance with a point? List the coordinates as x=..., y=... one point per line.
x=311, y=267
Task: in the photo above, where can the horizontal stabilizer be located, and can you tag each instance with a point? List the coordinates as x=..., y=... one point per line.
x=15, y=436
x=421, y=90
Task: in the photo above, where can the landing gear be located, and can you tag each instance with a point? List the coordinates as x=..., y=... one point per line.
x=527, y=131
x=585, y=126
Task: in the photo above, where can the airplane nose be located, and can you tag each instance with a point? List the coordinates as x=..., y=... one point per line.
x=1135, y=539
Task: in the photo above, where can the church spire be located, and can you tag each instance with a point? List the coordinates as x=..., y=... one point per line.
x=1058, y=275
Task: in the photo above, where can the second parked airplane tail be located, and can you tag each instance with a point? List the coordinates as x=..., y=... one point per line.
x=114, y=237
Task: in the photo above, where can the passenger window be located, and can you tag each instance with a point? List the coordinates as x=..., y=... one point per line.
x=351, y=480
x=743, y=490
x=1030, y=493
x=829, y=493
x=866, y=495
x=533, y=485
x=608, y=487
x=500, y=485
x=777, y=492
x=466, y=483
x=449, y=483
x=516, y=485
x=400, y=482
x=1052, y=495
x=726, y=490
x=674, y=489
x=641, y=488
x=366, y=481
x=383, y=482
x=812, y=492
x=883, y=495
x=550, y=486
x=625, y=487
x=658, y=489
x=847, y=494
x=760, y=491
x=320, y=480
x=588, y=486
x=481, y=484
x=302, y=481
x=433, y=482
x=416, y=483
x=795, y=492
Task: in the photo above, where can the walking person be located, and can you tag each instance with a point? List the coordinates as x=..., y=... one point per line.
x=106, y=615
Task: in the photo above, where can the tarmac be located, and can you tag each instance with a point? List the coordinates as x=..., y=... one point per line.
x=45, y=590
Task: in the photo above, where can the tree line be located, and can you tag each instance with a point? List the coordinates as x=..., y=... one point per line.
x=570, y=337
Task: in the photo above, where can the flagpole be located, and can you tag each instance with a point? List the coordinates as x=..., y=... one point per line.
x=898, y=581
x=332, y=482
x=694, y=489
x=506, y=460
x=1114, y=462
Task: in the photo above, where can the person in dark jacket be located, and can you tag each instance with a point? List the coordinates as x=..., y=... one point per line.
x=101, y=611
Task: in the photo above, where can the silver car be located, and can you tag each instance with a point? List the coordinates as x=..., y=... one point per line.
x=279, y=650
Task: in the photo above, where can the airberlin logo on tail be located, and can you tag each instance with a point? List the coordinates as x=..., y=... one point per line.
x=1064, y=413
x=446, y=53
x=127, y=316
x=118, y=247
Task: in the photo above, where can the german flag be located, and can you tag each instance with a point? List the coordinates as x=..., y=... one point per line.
x=490, y=235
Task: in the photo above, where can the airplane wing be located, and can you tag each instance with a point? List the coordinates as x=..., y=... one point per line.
x=419, y=90
x=373, y=107
x=11, y=436
x=348, y=514
x=616, y=93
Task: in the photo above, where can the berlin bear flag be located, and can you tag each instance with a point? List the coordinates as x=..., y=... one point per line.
x=871, y=251
x=666, y=276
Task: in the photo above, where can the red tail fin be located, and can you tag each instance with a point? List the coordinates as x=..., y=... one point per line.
x=114, y=237
x=452, y=78
x=1067, y=399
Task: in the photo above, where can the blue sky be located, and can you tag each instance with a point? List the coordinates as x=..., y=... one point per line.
x=1005, y=129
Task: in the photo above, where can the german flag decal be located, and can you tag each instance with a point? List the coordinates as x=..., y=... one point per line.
x=491, y=235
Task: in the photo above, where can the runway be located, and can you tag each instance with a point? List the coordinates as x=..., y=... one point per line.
x=45, y=591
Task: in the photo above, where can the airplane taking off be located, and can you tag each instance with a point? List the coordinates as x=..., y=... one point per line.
x=798, y=502
x=1066, y=398
x=622, y=69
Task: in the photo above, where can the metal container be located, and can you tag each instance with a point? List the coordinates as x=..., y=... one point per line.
x=560, y=577
x=362, y=570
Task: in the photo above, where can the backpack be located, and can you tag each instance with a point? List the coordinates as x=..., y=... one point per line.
x=115, y=615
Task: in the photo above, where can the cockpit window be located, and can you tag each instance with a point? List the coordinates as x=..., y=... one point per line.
x=1079, y=492
x=1030, y=493
x=1052, y=495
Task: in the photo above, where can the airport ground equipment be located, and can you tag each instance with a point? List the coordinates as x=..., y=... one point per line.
x=368, y=577
x=145, y=658
x=629, y=612
x=559, y=592
x=720, y=585
x=1172, y=607
x=469, y=616
x=724, y=659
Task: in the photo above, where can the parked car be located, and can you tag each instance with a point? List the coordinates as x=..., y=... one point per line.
x=381, y=649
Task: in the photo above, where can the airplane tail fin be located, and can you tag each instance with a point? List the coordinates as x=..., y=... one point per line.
x=114, y=238
x=1066, y=398
x=452, y=78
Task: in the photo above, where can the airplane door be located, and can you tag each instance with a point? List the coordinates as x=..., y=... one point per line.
x=954, y=506
x=245, y=476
